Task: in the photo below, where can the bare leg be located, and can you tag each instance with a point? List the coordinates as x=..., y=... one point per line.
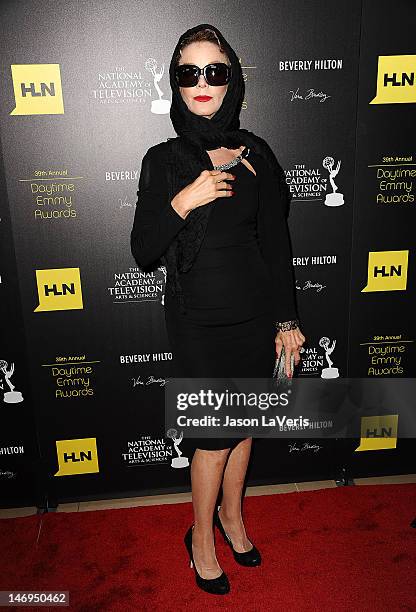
x=232, y=486
x=206, y=474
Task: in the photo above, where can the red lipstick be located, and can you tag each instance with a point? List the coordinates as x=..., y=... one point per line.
x=202, y=98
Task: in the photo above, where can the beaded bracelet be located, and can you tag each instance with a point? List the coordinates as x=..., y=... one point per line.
x=287, y=325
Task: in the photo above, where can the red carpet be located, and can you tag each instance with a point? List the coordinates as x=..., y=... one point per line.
x=344, y=549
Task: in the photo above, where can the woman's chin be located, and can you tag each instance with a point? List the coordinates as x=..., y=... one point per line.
x=201, y=113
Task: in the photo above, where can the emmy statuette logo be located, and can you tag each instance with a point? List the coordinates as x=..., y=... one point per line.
x=179, y=461
x=164, y=271
x=329, y=372
x=12, y=396
x=160, y=106
x=334, y=198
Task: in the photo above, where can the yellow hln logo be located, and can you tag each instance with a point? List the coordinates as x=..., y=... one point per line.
x=387, y=271
x=59, y=289
x=37, y=89
x=378, y=432
x=396, y=79
x=77, y=456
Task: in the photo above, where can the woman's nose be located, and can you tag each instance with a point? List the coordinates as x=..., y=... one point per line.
x=202, y=81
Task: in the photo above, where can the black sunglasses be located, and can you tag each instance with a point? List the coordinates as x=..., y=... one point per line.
x=187, y=75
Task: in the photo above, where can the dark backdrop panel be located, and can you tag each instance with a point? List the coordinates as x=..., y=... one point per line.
x=21, y=471
x=97, y=364
x=382, y=319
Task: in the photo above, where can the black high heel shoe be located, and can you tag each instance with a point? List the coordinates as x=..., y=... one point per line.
x=215, y=586
x=250, y=558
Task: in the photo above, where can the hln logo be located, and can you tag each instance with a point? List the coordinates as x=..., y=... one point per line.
x=382, y=432
x=37, y=89
x=384, y=271
x=83, y=456
x=45, y=89
x=77, y=456
x=387, y=271
x=399, y=80
x=378, y=432
x=396, y=79
x=59, y=289
x=56, y=291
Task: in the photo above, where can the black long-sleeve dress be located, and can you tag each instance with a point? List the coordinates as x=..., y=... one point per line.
x=241, y=282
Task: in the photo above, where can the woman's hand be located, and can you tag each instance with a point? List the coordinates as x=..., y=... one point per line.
x=292, y=340
x=208, y=186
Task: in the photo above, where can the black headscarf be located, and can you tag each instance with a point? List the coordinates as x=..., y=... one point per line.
x=222, y=130
x=196, y=136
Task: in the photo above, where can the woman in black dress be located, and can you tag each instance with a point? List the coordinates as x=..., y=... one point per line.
x=212, y=205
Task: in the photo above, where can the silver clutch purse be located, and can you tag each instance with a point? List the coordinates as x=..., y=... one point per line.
x=279, y=374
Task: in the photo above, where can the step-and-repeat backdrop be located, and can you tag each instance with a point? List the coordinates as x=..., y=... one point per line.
x=84, y=351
